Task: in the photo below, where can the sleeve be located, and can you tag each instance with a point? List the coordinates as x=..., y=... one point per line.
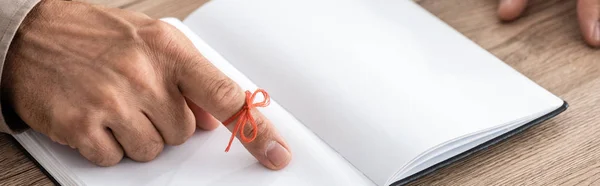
x=12, y=13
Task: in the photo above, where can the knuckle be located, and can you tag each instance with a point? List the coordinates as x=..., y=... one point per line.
x=224, y=93
x=129, y=32
x=82, y=123
x=68, y=116
x=183, y=124
x=106, y=100
x=137, y=14
x=140, y=75
x=105, y=159
x=148, y=151
x=156, y=29
x=181, y=134
x=140, y=83
x=160, y=26
x=103, y=155
x=113, y=108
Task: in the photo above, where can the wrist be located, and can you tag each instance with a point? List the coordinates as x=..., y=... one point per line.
x=34, y=14
x=11, y=118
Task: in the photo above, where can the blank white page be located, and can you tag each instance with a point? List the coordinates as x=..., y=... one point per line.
x=202, y=160
x=381, y=81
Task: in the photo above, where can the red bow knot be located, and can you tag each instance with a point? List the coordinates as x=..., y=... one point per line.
x=245, y=115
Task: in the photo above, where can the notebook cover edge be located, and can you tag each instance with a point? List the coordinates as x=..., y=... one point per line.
x=482, y=146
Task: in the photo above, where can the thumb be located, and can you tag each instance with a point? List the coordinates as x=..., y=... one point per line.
x=509, y=10
x=220, y=96
x=588, y=14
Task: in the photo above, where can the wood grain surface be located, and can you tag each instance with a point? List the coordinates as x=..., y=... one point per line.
x=545, y=45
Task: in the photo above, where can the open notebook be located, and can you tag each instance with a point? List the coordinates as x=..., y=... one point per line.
x=366, y=92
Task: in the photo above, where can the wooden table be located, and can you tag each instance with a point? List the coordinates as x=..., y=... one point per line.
x=545, y=45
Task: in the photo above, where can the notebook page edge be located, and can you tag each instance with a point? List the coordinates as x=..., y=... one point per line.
x=489, y=143
x=466, y=142
x=468, y=138
x=31, y=143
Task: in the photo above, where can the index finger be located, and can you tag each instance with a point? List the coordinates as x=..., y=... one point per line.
x=217, y=94
x=588, y=14
x=509, y=10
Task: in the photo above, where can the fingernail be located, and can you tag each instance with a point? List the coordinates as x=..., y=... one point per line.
x=505, y=1
x=596, y=32
x=276, y=154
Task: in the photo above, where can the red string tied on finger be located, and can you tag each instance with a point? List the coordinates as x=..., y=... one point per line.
x=244, y=116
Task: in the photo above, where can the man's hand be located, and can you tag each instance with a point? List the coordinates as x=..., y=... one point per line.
x=110, y=83
x=588, y=13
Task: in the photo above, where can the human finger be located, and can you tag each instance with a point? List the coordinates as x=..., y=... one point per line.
x=204, y=120
x=588, y=15
x=99, y=146
x=138, y=137
x=220, y=96
x=509, y=10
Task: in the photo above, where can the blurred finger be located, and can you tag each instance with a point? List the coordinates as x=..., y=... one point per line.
x=587, y=14
x=509, y=10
